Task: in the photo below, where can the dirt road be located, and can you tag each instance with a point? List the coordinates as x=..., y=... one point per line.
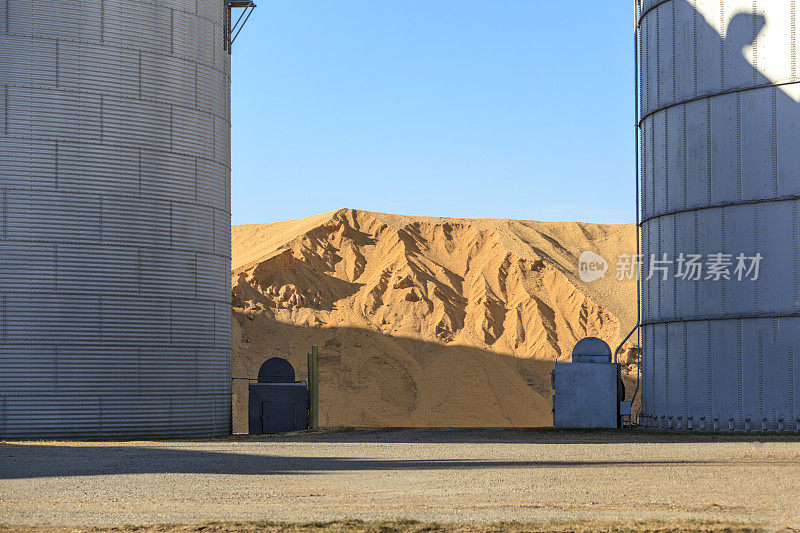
x=466, y=476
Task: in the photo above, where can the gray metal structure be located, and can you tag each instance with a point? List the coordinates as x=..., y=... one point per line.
x=278, y=403
x=115, y=203
x=587, y=391
x=720, y=173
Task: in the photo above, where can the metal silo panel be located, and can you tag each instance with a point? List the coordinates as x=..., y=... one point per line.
x=676, y=163
x=696, y=372
x=115, y=237
x=720, y=173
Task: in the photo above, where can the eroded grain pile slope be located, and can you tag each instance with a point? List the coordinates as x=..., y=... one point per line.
x=424, y=321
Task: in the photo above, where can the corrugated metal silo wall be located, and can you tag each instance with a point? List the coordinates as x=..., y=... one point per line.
x=720, y=174
x=115, y=238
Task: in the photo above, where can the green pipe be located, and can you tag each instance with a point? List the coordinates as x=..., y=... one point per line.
x=313, y=386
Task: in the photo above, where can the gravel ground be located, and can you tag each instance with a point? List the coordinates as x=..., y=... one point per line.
x=439, y=475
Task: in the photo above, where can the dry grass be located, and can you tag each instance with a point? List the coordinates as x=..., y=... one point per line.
x=411, y=526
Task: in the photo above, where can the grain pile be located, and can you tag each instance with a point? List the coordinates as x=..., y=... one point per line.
x=424, y=321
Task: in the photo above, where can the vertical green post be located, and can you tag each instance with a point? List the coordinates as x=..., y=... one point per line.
x=313, y=385
x=309, y=383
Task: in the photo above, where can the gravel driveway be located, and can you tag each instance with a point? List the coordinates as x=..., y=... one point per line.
x=449, y=475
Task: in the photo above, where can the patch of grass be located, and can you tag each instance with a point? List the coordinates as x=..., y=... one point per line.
x=411, y=526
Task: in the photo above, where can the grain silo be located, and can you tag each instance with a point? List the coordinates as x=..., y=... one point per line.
x=115, y=238
x=720, y=188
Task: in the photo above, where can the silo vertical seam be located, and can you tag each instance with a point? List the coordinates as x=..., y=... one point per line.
x=793, y=33
x=674, y=53
x=645, y=164
x=674, y=8
x=5, y=214
x=214, y=413
x=55, y=368
x=760, y=374
x=171, y=127
x=643, y=372
x=674, y=255
x=774, y=94
x=100, y=217
x=795, y=252
x=666, y=207
x=757, y=246
x=738, y=147
x=55, y=267
x=139, y=163
x=685, y=160
x=646, y=103
x=171, y=322
x=695, y=251
x=139, y=65
x=212, y=32
x=100, y=319
x=709, y=374
x=643, y=172
x=659, y=277
x=667, y=407
x=792, y=395
x=102, y=23
x=709, y=151
x=754, y=23
x=56, y=163
x=775, y=332
x=723, y=229
x=102, y=118
x=653, y=363
x=170, y=225
x=171, y=31
x=694, y=49
x=138, y=271
x=5, y=106
x=658, y=57
x=685, y=370
x=739, y=371
x=722, y=34
x=775, y=342
x=653, y=157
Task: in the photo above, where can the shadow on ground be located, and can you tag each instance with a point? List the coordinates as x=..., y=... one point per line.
x=21, y=461
x=43, y=459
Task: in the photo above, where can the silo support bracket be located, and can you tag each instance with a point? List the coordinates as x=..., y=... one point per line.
x=232, y=30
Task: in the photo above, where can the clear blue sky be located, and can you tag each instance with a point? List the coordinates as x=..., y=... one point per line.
x=493, y=108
